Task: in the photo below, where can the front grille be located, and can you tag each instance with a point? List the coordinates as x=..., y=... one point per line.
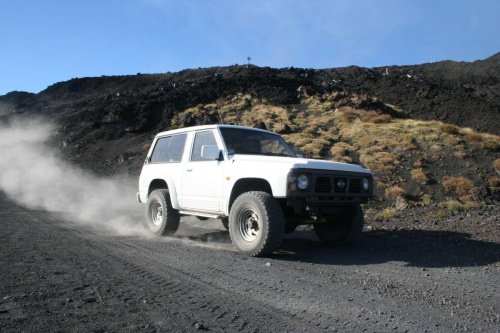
x=323, y=185
x=355, y=186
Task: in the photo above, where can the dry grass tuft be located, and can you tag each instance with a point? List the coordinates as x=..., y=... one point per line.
x=341, y=151
x=380, y=160
x=466, y=198
x=452, y=205
x=492, y=145
x=494, y=182
x=367, y=116
x=496, y=165
x=451, y=140
x=198, y=115
x=343, y=159
x=347, y=114
x=462, y=186
x=448, y=128
x=275, y=118
x=309, y=145
x=373, y=117
x=473, y=137
x=471, y=204
x=387, y=214
x=146, y=146
x=418, y=164
x=441, y=214
x=394, y=192
x=460, y=154
x=456, y=206
x=419, y=176
x=426, y=199
x=385, y=118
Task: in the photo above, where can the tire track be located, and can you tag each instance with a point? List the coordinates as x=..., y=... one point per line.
x=131, y=283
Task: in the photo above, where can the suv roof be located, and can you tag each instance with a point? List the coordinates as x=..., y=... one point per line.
x=204, y=127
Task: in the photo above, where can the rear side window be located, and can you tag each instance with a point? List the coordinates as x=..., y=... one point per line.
x=169, y=149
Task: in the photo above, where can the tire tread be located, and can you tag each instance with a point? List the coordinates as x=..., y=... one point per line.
x=275, y=229
x=171, y=215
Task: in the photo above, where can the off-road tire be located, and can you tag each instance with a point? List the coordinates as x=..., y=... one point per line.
x=161, y=219
x=343, y=229
x=256, y=224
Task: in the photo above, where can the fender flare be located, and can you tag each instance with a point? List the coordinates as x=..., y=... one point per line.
x=171, y=189
x=173, y=192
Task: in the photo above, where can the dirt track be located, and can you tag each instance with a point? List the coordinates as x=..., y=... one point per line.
x=59, y=276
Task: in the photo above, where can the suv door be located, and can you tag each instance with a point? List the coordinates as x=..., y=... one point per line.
x=202, y=179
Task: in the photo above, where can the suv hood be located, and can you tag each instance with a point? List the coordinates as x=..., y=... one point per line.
x=299, y=163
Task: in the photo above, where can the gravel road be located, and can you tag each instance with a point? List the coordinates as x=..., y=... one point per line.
x=62, y=276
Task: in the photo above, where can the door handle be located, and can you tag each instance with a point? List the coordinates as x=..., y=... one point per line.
x=189, y=169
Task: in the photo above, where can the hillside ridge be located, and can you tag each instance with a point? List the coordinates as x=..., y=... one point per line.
x=459, y=93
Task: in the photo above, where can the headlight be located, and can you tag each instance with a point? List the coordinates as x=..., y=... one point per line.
x=366, y=184
x=298, y=182
x=303, y=182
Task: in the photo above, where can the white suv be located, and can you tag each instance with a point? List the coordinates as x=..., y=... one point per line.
x=253, y=182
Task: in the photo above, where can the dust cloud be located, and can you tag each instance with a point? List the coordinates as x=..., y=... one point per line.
x=34, y=176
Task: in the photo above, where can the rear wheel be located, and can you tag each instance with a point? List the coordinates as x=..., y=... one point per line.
x=344, y=229
x=161, y=218
x=256, y=224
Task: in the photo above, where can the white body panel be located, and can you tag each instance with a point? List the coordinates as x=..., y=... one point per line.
x=202, y=186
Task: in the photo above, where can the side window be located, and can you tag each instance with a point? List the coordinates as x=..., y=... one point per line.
x=175, y=148
x=202, y=139
x=160, y=151
x=169, y=149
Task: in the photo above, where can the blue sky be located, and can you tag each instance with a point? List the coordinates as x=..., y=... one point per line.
x=46, y=41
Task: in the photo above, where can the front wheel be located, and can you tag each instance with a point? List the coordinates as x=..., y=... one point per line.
x=344, y=229
x=161, y=218
x=256, y=224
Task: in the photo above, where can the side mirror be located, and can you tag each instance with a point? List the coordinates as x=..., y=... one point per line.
x=210, y=152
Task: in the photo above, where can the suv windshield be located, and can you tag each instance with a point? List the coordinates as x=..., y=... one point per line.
x=243, y=141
